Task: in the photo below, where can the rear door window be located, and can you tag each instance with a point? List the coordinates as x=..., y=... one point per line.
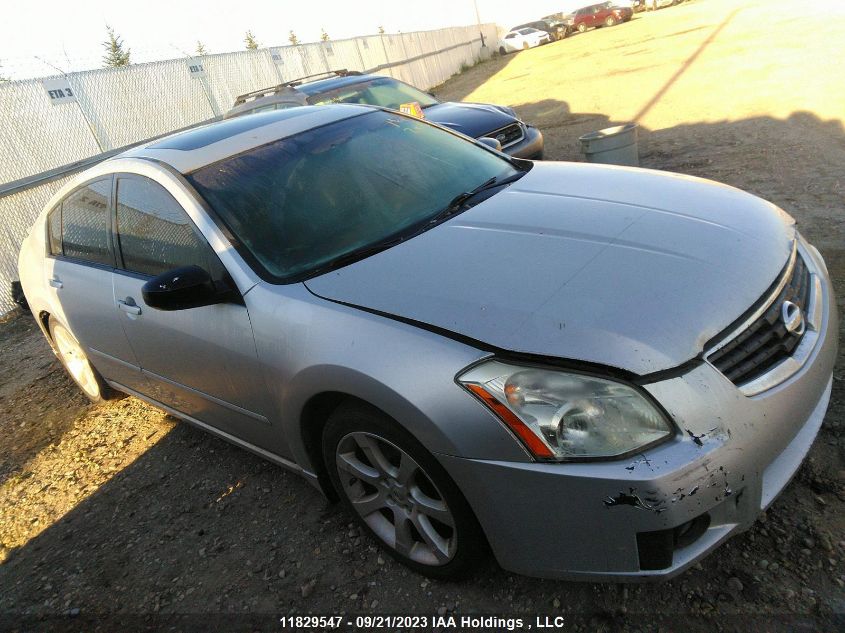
x=154, y=232
x=54, y=231
x=85, y=223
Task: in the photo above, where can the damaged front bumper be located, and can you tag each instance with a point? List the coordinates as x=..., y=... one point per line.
x=652, y=516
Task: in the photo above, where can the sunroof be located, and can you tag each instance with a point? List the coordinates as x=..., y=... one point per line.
x=206, y=135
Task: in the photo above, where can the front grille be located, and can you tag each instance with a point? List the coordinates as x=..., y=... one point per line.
x=508, y=135
x=766, y=341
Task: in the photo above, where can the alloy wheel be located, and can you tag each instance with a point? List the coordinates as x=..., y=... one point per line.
x=396, y=498
x=76, y=361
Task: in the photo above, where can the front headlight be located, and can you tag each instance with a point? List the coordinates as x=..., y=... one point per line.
x=560, y=415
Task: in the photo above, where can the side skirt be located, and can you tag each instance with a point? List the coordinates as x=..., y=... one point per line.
x=287, y=464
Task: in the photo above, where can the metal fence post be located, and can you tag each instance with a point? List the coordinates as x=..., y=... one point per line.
x=360, y=56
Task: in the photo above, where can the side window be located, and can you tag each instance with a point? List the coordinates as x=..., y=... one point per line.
x=154, y=232
x=85, y=223
x=54, y=230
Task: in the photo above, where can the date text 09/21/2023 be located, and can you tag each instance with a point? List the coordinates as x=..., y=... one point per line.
x=464, y=622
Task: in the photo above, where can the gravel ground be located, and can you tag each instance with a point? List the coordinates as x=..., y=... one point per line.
x=119, y=517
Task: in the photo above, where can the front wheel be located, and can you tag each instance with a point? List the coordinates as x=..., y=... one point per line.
x=502, y=51
x=77, y=365
x=582, y=27
x=610, y=21
x=399, y=493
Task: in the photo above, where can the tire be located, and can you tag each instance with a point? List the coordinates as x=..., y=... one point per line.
x=76, y=364
x=525, y=46
x=610, y=21
x=399, y=493
x=582, y=27
x=502, y=51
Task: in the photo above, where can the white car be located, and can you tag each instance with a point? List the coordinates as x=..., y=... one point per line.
x=522, y=39
x=654, y=5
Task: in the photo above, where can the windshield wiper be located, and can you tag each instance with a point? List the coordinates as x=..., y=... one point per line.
x=457, y=204
x=358, y=254
x=462, y=200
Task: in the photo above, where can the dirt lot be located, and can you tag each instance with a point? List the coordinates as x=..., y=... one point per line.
x=119, y=517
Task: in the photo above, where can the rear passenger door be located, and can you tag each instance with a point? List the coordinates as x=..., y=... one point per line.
x=79, y=274
x=202, y=361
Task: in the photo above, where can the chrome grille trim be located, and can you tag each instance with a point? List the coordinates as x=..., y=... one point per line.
x=514, y=141
x=739, y=329
x=789, y=366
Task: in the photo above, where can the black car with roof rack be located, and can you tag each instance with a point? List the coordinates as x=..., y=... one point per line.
x=477, y=120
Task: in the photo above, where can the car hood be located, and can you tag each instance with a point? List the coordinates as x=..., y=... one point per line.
x=472, y=119
x=631, y=268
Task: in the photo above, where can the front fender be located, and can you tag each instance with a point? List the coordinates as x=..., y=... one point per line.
x=310, y=346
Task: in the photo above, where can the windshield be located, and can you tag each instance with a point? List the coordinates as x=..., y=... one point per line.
x=384, y=92
x=298, y=204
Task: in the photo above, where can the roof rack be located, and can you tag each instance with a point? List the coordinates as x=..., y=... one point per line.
x=342, y=72
x=280, y=88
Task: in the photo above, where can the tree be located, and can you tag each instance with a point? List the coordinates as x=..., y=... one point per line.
x=250, y=41
x=381, y=30
x=324, y=37
x=116, y=56
x=201, y=50
x=293, y=39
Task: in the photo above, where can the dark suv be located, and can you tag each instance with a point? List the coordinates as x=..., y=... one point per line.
x=602, y=14
x=477, y=120
x=557, y=30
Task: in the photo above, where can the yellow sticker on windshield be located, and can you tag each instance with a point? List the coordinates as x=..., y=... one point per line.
x=413, y=109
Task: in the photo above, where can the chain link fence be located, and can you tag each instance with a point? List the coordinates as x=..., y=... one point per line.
x=52, y=127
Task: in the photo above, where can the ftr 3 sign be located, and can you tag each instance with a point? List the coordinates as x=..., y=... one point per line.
x=59, y=90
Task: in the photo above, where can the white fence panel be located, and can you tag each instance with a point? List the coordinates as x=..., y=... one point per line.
x=232, y=74
x=126, y=105
x=36, y=135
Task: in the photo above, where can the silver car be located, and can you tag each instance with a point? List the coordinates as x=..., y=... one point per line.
x=595, y=372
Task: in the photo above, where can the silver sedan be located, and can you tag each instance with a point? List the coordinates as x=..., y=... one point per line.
x=595, y=372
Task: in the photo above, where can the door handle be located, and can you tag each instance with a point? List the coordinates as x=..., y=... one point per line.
x=129, y=307
x=55, y=282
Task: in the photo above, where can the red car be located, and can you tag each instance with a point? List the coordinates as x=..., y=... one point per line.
x=602, y=14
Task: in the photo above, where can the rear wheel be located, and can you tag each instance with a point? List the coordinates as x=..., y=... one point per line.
x=399, y=493
x=525, y=46
x=76, y=363
x=502, y=51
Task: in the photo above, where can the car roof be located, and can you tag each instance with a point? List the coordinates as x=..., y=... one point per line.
x=188, y=151
x=322, y=85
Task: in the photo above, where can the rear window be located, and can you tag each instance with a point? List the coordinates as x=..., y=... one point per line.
x=54, y=231
x=85, y=223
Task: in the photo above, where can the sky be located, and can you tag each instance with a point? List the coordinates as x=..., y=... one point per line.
x=38, y=38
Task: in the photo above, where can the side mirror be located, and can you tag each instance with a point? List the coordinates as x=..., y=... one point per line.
x=181, y=289
x=491, y=142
